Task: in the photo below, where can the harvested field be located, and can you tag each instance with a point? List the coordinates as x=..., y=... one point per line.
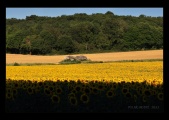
x=114, y=56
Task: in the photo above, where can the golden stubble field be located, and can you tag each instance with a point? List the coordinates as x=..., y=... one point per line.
x=114, y=56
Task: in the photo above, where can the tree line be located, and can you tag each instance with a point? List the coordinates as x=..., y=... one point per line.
x=82, y=33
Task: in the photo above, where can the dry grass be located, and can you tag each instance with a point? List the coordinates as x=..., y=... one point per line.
x=114, y=56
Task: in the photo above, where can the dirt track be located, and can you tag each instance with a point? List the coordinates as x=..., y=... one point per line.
x=114, y=56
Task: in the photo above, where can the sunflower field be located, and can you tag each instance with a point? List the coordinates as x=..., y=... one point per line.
x=99, y=87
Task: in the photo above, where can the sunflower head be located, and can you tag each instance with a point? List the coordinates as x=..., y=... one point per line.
x=71, y=95
x=40, y=84
x=95, y=91
x=73, y=101
x=78, y=88
x=37, y=89
x=30, y=90
x=135, y=98
x=144, y=99
x=47, y=91
x=125, y=90
x=110, y=94
x=87, y=90
x=15, y=92
x=84, y=98
x=100, y=87
x=16, y=85
x=147, y=92
x=128, y=95
x=58, y=90
x=24, y=86
x=51, y=88
x=55, y=99
x=9, y=95
x=160, y=96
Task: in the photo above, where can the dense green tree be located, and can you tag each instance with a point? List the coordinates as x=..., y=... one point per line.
x=82, y=33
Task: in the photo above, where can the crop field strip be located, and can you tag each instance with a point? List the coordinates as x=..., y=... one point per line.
x=114, y=56
x=118, y=71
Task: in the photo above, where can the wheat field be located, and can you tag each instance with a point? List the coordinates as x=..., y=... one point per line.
x=114, y=56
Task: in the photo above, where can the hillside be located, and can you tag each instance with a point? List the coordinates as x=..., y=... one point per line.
x=82, y=33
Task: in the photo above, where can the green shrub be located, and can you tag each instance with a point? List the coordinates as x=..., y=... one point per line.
x=16, y=64
x=70, y=62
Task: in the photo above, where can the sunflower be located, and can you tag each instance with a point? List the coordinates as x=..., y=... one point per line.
x=123, y=82
x=40, y=84
x=106, y=85
x=84, y=98
x=114, y=85
x=135, y=98
x=153, y=92
x=15, y=92
x=30, y=90
x=54, y=84
x=100, y=87
x=46, y=85
x=73, y=101
x=9, y=95
x=71, y=95
x=55, y=99
x=125, y=90
x=16, y=85
x=24, y=86
x=128, y=95
x=78, y=88
x=65, y=81
x=110, y=94
x=29, y=83
x=8, y=90
x=95, y=91
x=51, y=88
x=160, y=96
x=147, y=92
x=70, y=86
x=58, y=90
x=87, y=90
x=37, y=89
x=47, y=91
x=139, y=90
x=35, y=83
x=144, y=99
